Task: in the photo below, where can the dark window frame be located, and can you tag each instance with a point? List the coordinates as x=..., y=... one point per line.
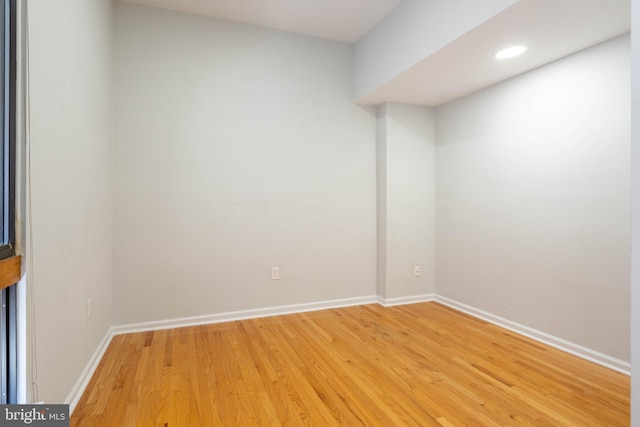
x=8, y=306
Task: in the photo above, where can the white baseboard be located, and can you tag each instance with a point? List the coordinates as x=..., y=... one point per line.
x=78, y=389
x=390, y=302
x=559, y=343
x=231, y=316
x=92, y=365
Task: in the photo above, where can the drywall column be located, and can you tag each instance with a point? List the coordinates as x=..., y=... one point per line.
x=405, y=150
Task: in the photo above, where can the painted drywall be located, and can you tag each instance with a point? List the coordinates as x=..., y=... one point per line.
x=406, y=200
x=414, y=30
x=635, y=218
x=381, y=200
x=237, y=149
x=70, y=44
x=532, y=199
x=552, y=29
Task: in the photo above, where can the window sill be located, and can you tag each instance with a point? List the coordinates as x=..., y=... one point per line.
x=9, y=271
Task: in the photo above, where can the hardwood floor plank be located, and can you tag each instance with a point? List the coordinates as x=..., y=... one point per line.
x=415, y=365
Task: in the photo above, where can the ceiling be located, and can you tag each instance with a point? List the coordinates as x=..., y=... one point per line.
x=339, y=20
x=551, y=29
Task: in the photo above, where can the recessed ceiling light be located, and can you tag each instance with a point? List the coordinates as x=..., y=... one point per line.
x=511, y=52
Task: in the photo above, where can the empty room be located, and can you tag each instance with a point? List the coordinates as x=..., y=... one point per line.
x=345, y=212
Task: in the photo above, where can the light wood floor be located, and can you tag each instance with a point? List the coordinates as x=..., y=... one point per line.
x=417, y=365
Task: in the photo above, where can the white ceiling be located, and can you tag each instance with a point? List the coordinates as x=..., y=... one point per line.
x=551, y=29
x=340, y=20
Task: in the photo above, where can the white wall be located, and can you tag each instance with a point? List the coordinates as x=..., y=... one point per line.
x=71, y=182
x=406, y=200
x=532, y=199
x=635, y=218
x=237, y=149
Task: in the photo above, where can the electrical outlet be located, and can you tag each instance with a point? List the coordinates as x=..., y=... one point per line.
x=275, y=273
x=89, y=308
x=416, y=271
